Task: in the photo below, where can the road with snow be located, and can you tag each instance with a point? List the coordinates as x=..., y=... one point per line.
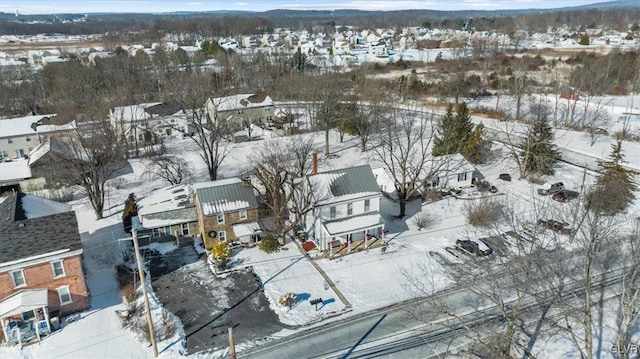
x=404, y=330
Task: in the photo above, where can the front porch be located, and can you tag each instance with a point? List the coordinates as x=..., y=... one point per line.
x=351, y=235
x=24, y=316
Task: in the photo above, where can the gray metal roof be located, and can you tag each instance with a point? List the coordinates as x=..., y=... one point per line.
x=354, y=180
x=225, y=196
x=31, y=237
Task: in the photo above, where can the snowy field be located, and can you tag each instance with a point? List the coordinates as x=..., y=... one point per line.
x=369, y=279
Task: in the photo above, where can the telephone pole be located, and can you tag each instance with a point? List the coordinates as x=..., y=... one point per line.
x=152, y=333
x=232, y=345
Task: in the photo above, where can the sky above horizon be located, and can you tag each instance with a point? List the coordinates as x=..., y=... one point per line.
x=27, y=7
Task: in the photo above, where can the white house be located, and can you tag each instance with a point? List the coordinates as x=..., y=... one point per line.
x=449, y=171
x=135, y=122
x=346, y=208
x=20, y=135
x=241, y=110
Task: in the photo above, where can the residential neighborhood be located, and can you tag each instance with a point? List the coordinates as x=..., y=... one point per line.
x=313, y=182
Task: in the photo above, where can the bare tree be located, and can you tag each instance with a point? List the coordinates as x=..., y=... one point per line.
x=629, y=311
x=278, y=167
x=93, y=156
x=169, y=168
x=404, y=149
x=208, y=131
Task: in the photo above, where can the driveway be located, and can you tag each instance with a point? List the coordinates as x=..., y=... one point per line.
x=207, y=305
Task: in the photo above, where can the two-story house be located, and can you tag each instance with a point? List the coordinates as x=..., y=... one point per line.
x=240, y=111
x=167, y=214
x=346, y=207
x=227, y=211
x=20, y=135
x=41, y=273
x=141, y=124
x=448, y=172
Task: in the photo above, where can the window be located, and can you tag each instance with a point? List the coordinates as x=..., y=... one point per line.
x=332, y=212
x=20, y=153
x=9, y=140
x=243, y=214
x=64, y=294
x=28, y=138
x=349, y=209
x=367, y=205
x=4, y=154
x=220, y=217
x=462, y=177
x=185, y=229
x=222, y=236
x=58, y=269
x=155, y=232
x=18, y=278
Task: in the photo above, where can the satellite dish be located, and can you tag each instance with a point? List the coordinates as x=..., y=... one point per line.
x=212, y=234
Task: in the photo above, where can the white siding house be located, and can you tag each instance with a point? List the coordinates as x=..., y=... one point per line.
x=347, y=208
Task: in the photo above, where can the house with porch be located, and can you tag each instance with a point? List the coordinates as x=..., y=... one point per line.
x=167, y=214
x=346, y=208
x=41, y=272
x=227, y=211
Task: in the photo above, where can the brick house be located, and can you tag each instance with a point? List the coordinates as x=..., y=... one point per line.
x=41, y=273
x=227, y=211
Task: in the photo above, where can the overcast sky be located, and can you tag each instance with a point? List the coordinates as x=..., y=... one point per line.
x=155, y=6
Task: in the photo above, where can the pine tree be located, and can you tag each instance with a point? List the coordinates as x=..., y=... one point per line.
x=615, y=184
x=453, y=131
x=130, y=211
x=539, y=153
x=478, y=147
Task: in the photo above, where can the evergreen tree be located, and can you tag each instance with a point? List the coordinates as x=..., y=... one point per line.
x=478, y=147
x=615, y=184
x=453, y=131
x=539, y=153
x=130, y=211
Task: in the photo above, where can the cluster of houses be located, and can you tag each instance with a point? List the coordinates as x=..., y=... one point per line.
x=360, y=44
x=28, y=144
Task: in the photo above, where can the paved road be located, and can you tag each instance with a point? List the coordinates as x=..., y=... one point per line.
x=402, y=331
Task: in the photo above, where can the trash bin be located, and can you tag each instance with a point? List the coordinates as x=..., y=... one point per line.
x=55, y=323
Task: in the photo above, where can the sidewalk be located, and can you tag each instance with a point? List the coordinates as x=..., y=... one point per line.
x=324, y=275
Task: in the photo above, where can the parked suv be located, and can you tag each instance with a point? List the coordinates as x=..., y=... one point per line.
x=548, y=188
x=473, y=248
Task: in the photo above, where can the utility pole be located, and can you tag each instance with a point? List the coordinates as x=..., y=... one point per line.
x=152, y=333
x=232, y=345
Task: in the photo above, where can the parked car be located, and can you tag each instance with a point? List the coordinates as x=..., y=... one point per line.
x=505, y=177
x=473, y=247
x=562, y=227
x=565, y=196
x=549, y=188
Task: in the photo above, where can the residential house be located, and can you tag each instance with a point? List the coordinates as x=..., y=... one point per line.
x=20, y=135
x=41, y=272
x=227, y=211
x=241, y=110
x=142, y=124
x=448, y=172
x=167, y=214
x=346, y=207
x=13, y=174
x=44, y=164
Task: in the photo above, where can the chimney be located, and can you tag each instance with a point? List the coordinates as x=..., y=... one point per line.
x=314, y=163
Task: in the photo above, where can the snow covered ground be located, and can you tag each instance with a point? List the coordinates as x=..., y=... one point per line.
x=368, y=279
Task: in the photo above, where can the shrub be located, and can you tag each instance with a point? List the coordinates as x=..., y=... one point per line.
x=269, y=244
x=424, y=220
x=432, y=195
x=221, y=252
x=483, y=213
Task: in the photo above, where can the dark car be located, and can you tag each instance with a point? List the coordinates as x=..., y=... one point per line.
x=551, y=188
x=562, y=227
x=565, y=196
x=505, y=177
x=472, y=247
